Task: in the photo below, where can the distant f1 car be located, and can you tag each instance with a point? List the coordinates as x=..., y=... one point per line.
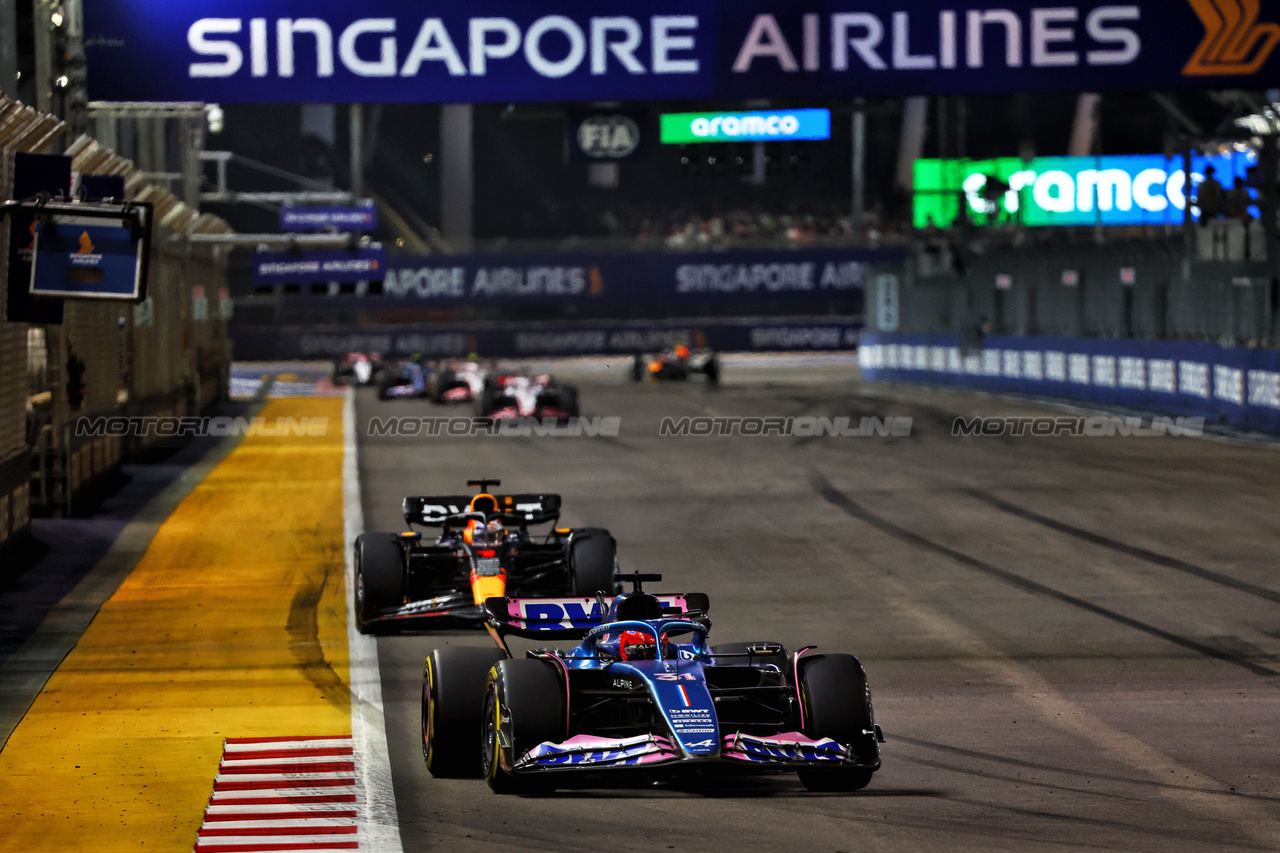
x=644, y=695
x=458, y=382
x=484, y=549
x=358, y=368
x=407, y=379
x=678, y=363
x=539, y=396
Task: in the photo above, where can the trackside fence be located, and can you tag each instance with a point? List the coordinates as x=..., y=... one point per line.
x=167, y=356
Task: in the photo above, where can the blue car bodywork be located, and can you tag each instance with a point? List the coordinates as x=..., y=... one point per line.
x=411, y=381
x=689, y=708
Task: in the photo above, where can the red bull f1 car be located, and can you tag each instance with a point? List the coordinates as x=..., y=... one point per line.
x=484, y=548
x=513, y=396
x=678, y=363
x=641, y=694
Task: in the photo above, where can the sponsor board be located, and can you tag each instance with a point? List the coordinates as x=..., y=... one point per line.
x=764, y=126
x=634, y=279
x=1202, y=383
x=1054, y=191
x=317, y=267
x=273, y=343
x=452, y=51
x=359, y=218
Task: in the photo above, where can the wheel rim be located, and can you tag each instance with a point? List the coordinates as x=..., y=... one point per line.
x=489, y=744
x=359, y=594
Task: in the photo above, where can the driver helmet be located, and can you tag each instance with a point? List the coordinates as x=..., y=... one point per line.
x=682, y=351
x=478, y=532
x=638, y=645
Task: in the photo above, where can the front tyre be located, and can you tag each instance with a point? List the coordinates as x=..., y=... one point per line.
x=837, y=704
x=379, y=578
x=453, y=685
x=524, y=705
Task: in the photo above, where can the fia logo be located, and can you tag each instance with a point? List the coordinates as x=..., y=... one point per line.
x=1234, y=41
x=608, y=137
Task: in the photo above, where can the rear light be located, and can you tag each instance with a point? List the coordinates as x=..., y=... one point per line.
x=488, y=552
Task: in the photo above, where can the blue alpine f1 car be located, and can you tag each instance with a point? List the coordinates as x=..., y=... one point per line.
x=641, y=694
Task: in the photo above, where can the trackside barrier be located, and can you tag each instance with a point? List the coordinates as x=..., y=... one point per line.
x=529, y=340
x=1240, y=387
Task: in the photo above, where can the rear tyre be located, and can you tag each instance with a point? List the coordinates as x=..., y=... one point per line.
x=837, y=704
x=637, y=368
x=379, y=579
x=525, y=700
x=713, y=370
x=486, y=402
x=453, y=684
x=569, y=400
x=593, y=563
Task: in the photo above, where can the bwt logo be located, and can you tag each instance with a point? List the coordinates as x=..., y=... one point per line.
x=1234, y=41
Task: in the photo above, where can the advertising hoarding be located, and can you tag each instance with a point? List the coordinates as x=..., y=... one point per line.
x=759, y=126
x=1110, y=190
x=457, y=51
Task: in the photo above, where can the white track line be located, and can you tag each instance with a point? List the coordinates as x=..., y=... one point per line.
x=378, y=821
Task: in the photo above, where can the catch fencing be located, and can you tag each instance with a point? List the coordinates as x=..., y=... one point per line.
x=1213, y=291
x=167, y=356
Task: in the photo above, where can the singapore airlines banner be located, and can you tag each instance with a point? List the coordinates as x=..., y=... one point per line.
x=641, y=278
x=576, y=50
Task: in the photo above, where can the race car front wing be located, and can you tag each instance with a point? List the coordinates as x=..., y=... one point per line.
x=788, y=749
x=458, y=605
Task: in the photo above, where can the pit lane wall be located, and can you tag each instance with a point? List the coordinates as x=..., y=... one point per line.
x=1229, y=385
x=529, y=340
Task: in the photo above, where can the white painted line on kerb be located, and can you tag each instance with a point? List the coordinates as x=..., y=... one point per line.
x=378, y=822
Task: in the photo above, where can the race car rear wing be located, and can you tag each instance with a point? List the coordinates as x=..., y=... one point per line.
x=572, y=618
x=435, y=510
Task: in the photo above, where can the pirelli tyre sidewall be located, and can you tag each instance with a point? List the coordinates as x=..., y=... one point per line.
x=524, y=705
x=837, y=704
x=453, y=684
x=379, y=577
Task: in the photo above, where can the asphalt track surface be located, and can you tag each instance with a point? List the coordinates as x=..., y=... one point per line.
x=1072, y=642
